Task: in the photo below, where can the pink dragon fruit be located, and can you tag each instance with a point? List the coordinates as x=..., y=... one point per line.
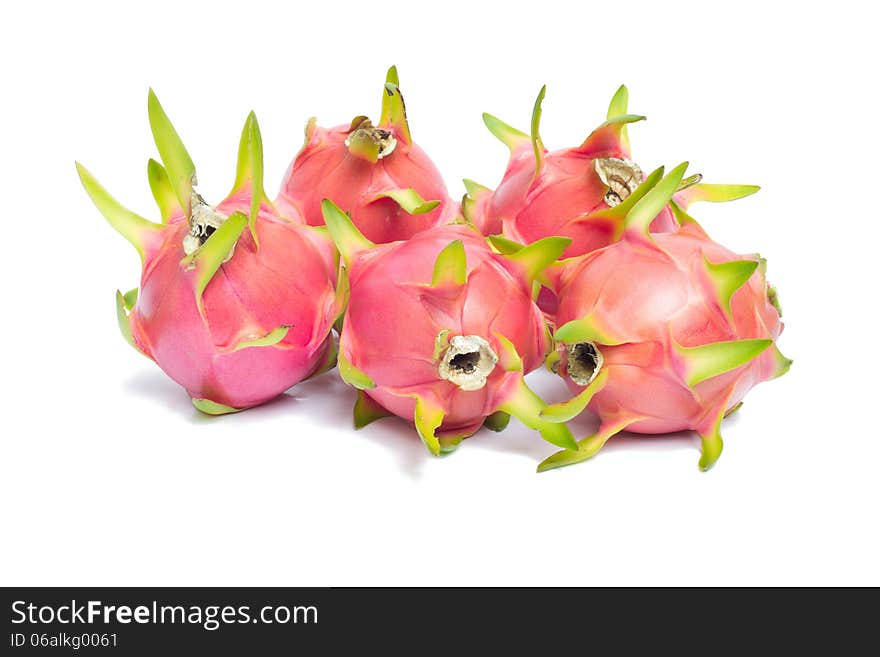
x=570, y=192
x=235, y=316
x=661, y=333
x=440, y=330
x=376, y=173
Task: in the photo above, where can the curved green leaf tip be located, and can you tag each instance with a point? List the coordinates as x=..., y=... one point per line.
x=209, y=407
x=508, y=357
x=728, y=277
x=711, y=446
x=526, y=406
x=122, y=310
x=450, y=268
x=249, y=169
x=619, y=102
x=393, y=107
x=268, y=340
x=367, y=410
x=497, y=421
x=391, y=76
x=537, y=256
x=427, y=418
x=565, y=411
x=713, y=193
x=641, y=215
x=704, y=362
x=130, y=298
x=138, y=231
x=176, y=159
x=537, y=144
x=352, y=375
x=208, y=258
x=587, y=447
x=506, y=134
x=348, y=239
x=409, y=199
x=163, y=192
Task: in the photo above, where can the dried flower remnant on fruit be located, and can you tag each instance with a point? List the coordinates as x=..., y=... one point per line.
x=584, y=362
x=363, y=131
x=468, y=361
x=621, y=176
x=203, y=221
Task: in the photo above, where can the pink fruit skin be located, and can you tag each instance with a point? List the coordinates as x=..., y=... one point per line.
x=557, y=201
x=666, y=295
x=393, y=320
x=289, y=281
x=325, y=168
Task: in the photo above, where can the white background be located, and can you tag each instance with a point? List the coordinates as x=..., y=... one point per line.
x=108, y=476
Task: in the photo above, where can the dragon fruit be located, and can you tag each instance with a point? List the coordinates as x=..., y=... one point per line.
x=236, y=302
x=376, y=173
x=573, y=191
x=661, y=333
x=440, y=330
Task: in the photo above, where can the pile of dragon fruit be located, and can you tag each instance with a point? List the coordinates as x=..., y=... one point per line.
x=434, y=310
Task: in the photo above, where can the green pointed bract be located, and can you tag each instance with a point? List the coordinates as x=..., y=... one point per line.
x=162, y=190
x=449, y=444
x=367, y=410
x=208, y=258
x=352, y=375
x=714, y=193
x=409, y=199
x=441, y=344
x=249, y=169
x=428, y=416
x=526, y=406
x=537, y=144
x=618, y=107
x=140, y=232
x=587, y=447
x=508, y=357
x=565, y=411
x=710, y=446
x=618, y=213
x=708, y=360
x=773, y=297
x=639, y=218
x=450, y=268
x=268, y=340
x=507, y=135
x=728, y=277
x=361, y=145
x=498, y=421
x=537, y=256
x=683, y=218
x=614, y=127
x=343, y=292
x=619, y=102
x=584, y=330
x=393, y=108
x=392, y=77
x=122, y=309
x=503, y=245
x=209, y=407
x=130, y=298
x=474, y=189
x=177, y=161
x=781, y=364
x=348, y=239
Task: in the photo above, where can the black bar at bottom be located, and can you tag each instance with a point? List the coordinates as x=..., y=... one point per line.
x=268, y=621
